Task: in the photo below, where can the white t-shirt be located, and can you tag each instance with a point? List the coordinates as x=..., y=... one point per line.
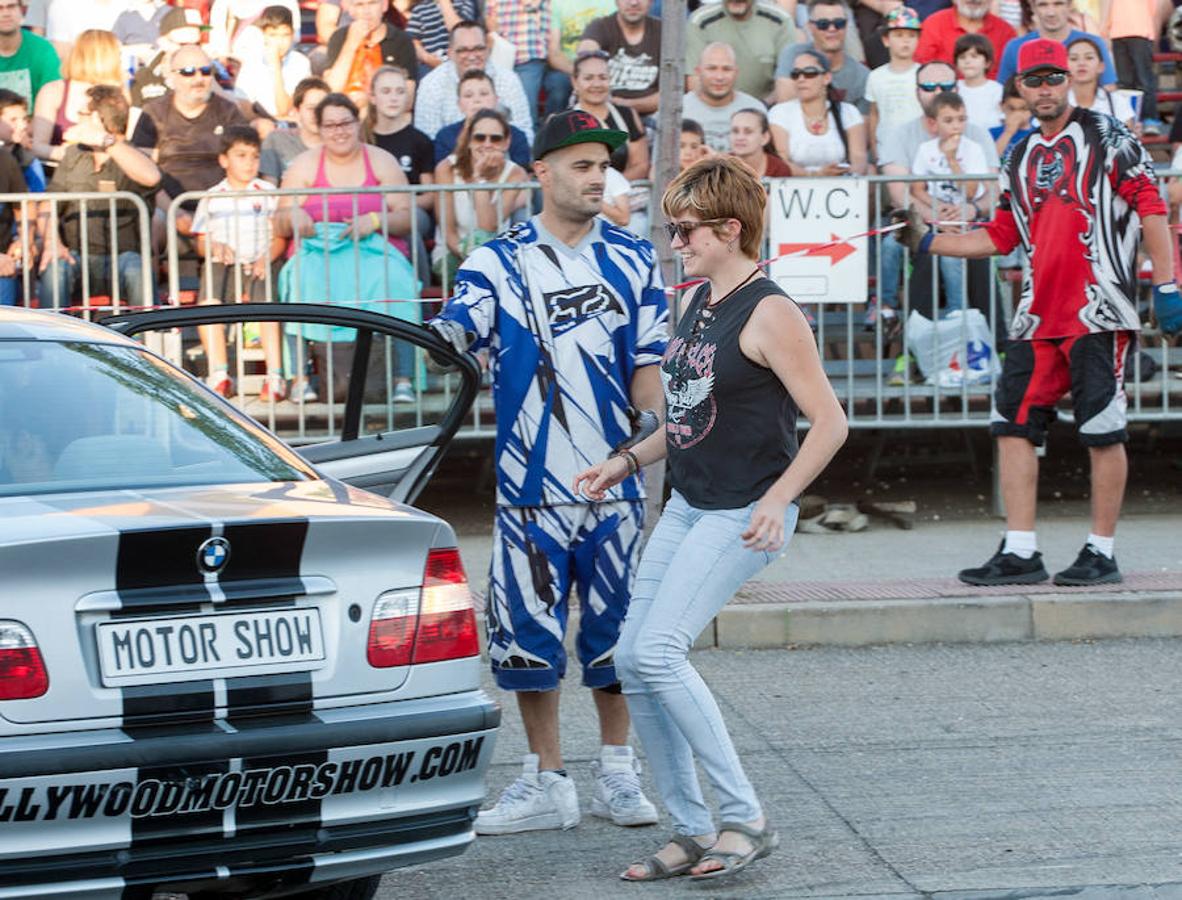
x=1110, y=103
x=66, y=19
x=242, y=222
x=716, y=120
x=982, y=103
x=894, y=95
x=254, y=78
x=806, y=148
x=930, y=160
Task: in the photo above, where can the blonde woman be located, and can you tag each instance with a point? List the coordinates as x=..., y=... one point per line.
x=739, y=367
x=95, y=58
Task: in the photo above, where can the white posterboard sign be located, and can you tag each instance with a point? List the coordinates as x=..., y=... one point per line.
x=808, y=214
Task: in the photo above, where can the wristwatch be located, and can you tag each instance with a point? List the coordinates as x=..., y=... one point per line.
x=109, y=141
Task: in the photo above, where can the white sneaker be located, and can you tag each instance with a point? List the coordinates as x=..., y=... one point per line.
x=536, y=801
x=617, y=789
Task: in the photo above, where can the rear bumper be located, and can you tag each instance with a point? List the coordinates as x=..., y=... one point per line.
x=266, y=808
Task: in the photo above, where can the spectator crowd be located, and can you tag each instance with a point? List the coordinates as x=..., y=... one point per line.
x=243, y=96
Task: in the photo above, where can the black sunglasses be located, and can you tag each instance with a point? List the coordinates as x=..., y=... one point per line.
x=685, y=229
x=826, y=24
x=487, y=138
x=932, y=86
x=807, y=72
x=190, y=71
x=592, y=54
x=1054, y=79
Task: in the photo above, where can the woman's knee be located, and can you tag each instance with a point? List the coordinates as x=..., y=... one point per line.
x=650, y=662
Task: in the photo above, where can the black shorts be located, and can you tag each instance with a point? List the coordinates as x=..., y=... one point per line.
x=219, y=284
x=1038, y=373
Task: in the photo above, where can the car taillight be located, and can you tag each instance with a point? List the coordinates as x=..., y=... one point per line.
x=22, y=671
x=428, y=625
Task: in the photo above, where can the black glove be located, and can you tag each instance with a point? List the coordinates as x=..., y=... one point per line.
x=914, y=234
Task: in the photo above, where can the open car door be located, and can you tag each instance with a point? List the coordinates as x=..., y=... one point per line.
x=361, y=395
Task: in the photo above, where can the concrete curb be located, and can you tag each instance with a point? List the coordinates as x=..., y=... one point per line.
x=980, y=619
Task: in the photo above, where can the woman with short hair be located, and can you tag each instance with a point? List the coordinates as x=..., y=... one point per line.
x=741, y=364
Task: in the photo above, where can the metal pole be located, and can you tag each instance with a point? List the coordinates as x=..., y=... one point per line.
x=672, y=89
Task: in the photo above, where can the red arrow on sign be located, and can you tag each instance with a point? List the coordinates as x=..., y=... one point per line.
x=835, y=251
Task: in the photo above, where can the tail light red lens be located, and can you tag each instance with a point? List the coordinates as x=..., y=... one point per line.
x=433, y=624
x=22, y=671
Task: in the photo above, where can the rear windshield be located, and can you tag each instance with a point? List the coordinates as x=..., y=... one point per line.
x=84, y=417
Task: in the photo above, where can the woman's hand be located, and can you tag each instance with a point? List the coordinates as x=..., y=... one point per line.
x=301, y=223
x=488, y=163
x=600, y=477
x=362, y=226
x=835, y=170
x=765, y=531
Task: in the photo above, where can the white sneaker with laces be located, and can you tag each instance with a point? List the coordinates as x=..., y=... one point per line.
x=537, y=801
x=617, y=789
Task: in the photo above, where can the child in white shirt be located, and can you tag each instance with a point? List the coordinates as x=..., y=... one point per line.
x=982, y=96
x=890, y=88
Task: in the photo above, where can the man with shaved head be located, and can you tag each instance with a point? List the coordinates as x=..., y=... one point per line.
x=715, y=99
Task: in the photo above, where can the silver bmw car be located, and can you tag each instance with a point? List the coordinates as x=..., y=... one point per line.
x=223, y=669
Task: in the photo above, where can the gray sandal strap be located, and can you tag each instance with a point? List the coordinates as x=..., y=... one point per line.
x=692, y=848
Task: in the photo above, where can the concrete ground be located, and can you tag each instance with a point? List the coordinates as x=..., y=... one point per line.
x=978, y=771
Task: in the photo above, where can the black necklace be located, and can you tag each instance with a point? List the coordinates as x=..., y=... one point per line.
x=705, y=313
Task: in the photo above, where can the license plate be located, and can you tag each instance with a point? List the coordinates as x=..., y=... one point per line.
x=209, y=643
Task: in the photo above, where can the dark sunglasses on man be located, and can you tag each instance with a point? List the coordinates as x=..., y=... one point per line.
x=827, y=24
x=1035, y=80
x=932, y=87
x=806, y=72
x=190, y=71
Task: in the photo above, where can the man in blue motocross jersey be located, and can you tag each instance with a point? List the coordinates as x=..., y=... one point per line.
x=573, y=313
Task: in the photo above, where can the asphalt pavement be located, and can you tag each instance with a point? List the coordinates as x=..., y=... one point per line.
x=997, y=770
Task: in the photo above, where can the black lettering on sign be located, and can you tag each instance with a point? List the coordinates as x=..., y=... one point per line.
x=277, y=785
x=397, y=765
x=165, y=631
x=118, y=799
x=187, y=638
x=5, y=809
x=303, y=628
x=262, y=635
x=199, y=795
x=322, y=786
x=844, y=209
x=252, y=780
x=301, y=781
x=242, y=632
x=209, y=633
x=122, y=647
x=57, y=794
x=470, y=755
x=794, y=198
x=145, y=650
x=347, y=780
x=26, y=809
x=429, y=767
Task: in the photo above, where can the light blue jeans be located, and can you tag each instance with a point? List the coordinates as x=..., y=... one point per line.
x=692, y=565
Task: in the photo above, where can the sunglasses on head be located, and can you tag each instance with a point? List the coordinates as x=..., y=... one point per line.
x=827, y=24
x=685, y=229
x=806, y=72
x=190, y=71
x=485, y=138
x=932, y=86
x=1054, y=79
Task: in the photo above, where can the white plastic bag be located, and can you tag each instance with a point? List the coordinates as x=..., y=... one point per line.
x=954, y=350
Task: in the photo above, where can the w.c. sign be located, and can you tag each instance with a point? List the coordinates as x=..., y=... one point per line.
x=811, y=213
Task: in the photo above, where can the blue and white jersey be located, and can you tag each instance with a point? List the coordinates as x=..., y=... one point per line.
x=566, y=327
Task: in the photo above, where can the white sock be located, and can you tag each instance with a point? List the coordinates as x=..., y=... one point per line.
x=1102, y=545
x=1022, y=544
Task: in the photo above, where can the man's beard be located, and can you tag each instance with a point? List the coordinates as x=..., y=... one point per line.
x=971, y=13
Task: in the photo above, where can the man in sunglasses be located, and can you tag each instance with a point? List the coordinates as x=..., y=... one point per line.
x=1075, y=194
x=830, y=34
x=758, y=31
x=572, y=311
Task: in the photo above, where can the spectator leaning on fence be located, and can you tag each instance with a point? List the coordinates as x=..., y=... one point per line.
x=941, y=31
x=284, y=144
x=825, y=136
x=890, y=89
x=27, y=62
x=758, y=32
x=714, y=99
x=1077, y=317
x=476, y=91
x=100, y=160
x=632, y=40
x=360, y=48
x=435, y=103
x=828, y=23
x=94, y=59
x=235, y=236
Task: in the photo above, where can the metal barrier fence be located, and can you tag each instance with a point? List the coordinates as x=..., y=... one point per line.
x=67, y=252
x=870, y=358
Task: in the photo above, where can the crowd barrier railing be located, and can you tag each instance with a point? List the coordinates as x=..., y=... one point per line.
x=52, y=272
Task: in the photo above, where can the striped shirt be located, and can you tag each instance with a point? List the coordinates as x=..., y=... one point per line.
x=426, y=24
x=525, y=24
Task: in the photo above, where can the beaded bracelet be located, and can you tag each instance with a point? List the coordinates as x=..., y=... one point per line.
x=630, y=459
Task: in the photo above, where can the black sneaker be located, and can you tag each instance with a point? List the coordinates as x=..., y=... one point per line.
x=1006, y=568
x=1090, y=567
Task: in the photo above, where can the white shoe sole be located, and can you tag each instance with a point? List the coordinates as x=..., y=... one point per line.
x=546, y=822
x=603, y=811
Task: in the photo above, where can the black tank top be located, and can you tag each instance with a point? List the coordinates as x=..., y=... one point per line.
x=730, y=425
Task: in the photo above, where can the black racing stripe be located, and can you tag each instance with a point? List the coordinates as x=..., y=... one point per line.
x=165, y=704
x=181, y=825
x=264, y=550
x=290, y=815
x=159, y=558
x=262, y=695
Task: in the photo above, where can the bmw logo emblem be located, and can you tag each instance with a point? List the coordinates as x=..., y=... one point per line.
x=213, y=555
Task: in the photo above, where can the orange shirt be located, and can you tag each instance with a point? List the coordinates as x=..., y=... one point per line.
x=367, y=60
x=1132, y=18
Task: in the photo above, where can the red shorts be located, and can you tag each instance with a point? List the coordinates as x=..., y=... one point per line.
x=1038, y=373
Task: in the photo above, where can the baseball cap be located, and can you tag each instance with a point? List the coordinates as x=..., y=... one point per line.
x=178, y=17
x=902, y=17
x=1041, y=53
x=574, y=126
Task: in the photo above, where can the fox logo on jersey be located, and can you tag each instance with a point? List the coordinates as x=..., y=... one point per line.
x=570, y=306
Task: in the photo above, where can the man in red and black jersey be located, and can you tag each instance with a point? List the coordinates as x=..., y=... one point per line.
x=1076, y=194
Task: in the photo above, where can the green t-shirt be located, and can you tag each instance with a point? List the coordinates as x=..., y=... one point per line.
x=34, y=65
x=571, y=17
x=757, y=40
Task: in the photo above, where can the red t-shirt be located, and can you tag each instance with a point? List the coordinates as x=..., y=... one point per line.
x=1075, y=201
x=937, y=38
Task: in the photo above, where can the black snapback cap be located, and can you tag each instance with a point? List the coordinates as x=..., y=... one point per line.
x=574, y=126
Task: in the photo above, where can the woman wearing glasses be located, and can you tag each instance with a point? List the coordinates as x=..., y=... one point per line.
x=467, y=219
x=741, y=364
x=592, y=86
x=825, y=136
